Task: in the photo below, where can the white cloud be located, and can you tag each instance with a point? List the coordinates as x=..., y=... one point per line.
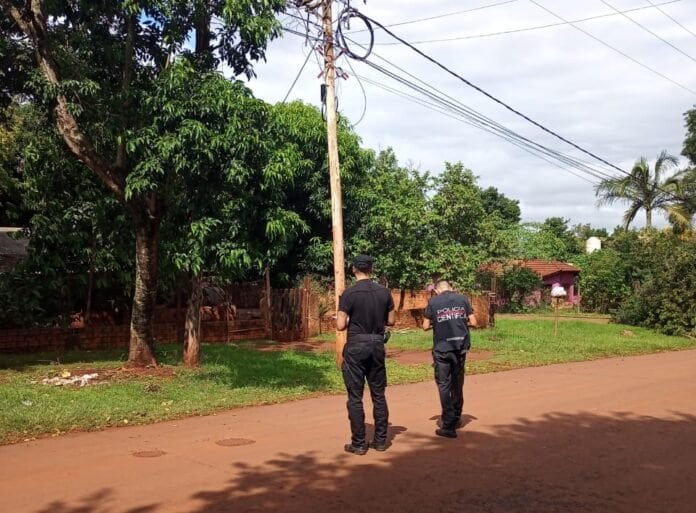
x=558, y=76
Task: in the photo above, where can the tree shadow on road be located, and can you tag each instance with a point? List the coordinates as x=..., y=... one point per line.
x=619, y=463
x=102, y=501
x=561, y=462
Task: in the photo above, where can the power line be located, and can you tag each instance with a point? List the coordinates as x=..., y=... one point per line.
x=441, y=110
x=657, y=6
x=604, y=43
x=495, y=99
x=478, y=120
x=362, y=88
x=444, y=15
x=527, y=29
x=299, y=73
x=493, y=125
x=646, y=29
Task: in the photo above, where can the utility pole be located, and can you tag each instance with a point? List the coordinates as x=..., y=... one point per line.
x=334, y=167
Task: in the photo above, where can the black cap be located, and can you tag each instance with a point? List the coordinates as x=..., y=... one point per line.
x=363, y=261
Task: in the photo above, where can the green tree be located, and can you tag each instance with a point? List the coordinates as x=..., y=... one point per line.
x=558, y=227
x=517, y=283
x=96, y=62
x=683, y=209
x=396, y=225
x=665, y=299
x=689, y=149
x=301, y=126
x=644, y=188
x=458, y=205
x=497, y=202
x=529, y=241
x=80, y=252
x=604, y=280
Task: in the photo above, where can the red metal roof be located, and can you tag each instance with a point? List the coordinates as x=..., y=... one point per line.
x=546, y=268
x=543, y=268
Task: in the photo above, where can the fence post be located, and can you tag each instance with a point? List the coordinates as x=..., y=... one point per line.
x=306, y=289
x=269, y=317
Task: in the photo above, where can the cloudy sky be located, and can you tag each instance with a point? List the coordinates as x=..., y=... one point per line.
x=559, y=76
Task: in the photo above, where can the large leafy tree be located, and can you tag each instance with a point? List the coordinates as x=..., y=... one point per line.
x=458, y=205
x=227, y=212
x=94, y=64
x=528, y=241
x=644, y=188
x=396, y=225
x=300, y=126
x=495, y=201
x=80, y=250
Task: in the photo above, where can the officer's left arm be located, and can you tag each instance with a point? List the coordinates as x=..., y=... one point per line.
x=391, y=318
x=470, y=317
x=341, y=320
x=427, y=315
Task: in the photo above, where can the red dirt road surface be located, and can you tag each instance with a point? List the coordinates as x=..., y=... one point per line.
x=611, y=436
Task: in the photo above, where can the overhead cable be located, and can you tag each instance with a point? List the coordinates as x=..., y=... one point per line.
x=646, y=29
x=494, y=98
x=528, y=29
x=657, y=6
x=604, y=43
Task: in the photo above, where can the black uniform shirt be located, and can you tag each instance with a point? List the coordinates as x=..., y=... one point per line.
x=449, y=313
x=367, y=305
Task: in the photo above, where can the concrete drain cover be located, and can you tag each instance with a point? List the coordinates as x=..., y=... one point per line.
x=235, y=442
x=149, y=454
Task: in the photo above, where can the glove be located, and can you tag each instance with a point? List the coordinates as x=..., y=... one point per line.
x=387, y=335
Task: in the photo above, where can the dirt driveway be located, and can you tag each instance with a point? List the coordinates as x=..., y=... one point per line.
x=608, y=436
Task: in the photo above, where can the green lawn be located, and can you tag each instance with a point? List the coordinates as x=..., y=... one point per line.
x=237, y=375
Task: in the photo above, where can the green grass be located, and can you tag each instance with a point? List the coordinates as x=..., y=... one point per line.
x=525, y=343
x=238, y=375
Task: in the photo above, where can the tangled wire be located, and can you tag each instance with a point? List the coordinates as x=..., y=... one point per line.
x=344, y=20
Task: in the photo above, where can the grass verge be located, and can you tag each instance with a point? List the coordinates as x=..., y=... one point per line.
x=237, y=375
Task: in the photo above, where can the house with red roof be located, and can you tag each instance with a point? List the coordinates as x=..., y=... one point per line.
x=553, y=273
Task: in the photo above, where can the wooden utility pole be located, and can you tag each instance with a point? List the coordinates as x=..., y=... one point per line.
x=334, y=168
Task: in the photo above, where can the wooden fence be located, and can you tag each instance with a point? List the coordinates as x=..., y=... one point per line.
x=290, y=313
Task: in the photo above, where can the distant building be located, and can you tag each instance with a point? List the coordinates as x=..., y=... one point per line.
x=12, y=249
x=552, y=273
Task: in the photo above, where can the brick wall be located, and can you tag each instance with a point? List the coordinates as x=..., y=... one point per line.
x=110, y=337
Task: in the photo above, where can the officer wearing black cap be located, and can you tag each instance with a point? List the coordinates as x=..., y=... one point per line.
x=449, y=314
x=364, y=309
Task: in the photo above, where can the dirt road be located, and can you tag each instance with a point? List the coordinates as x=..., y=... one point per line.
x=609, y=436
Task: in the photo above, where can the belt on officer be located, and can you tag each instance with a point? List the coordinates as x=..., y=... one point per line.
x=366, y=337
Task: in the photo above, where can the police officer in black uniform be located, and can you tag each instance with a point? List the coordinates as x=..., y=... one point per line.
x=364, y=309
x=449, y=314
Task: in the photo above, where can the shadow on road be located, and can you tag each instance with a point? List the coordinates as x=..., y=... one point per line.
x=558, y=463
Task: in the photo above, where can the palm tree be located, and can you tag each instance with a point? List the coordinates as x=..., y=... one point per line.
x=681, y=214
x=643, y=188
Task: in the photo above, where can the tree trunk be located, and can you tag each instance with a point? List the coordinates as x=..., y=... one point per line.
x=90, y=278
x=648, y=218
x=180, y=337
x=192, y=354
x=142, y=344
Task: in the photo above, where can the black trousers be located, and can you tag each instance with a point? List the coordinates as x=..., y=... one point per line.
x=361, y=361
x=449, y=376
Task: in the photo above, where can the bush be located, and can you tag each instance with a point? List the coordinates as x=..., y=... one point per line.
x=604, y=282
x=667, y=299
x=517, y=284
